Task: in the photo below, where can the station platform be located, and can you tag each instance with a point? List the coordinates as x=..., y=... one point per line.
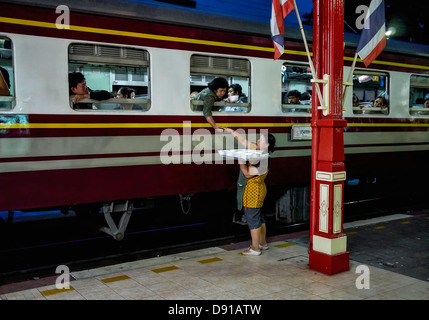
x=395, y=250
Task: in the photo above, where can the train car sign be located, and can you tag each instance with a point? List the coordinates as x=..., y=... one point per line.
x=301, y=132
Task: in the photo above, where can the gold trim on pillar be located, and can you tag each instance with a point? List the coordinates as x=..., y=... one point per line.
x=324, y=208
x=330, y=176
x=338, y=200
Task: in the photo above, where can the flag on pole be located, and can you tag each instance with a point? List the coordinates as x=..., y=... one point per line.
x=280, y=9
x=372, y=40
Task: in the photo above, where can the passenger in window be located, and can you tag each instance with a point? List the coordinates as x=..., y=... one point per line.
x=4, y=82
x=381, y=102
x=126, y=93
x=420, y=101
x=426, y=103
x=294, y=97
x=356, y=105
x=418, y=104
x=234, y=93
x=215, y=91
x=305, y=98
x=78, y=90
x=355, y=100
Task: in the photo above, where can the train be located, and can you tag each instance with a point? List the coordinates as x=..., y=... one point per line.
x=53, y=155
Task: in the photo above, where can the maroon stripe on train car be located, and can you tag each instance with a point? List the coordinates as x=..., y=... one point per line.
x=33, y=189
x=123, y=155
x=403, y=122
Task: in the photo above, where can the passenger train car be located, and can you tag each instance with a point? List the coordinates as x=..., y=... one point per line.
x=52, y=155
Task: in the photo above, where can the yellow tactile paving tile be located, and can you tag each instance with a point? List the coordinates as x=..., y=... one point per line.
x=113, y=279
x=56, y=291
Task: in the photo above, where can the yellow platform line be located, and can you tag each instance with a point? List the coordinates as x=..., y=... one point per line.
x=284, y=245
x=113, y=279
x=136, y=125
x=185, y=125
x=55, y=291
x=165, y=269
x=210, y=260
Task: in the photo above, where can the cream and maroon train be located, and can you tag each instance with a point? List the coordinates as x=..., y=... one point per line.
x=52, y=155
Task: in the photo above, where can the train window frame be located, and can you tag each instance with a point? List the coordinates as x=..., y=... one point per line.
x=365, y=108
x=131, y=62
x=205, y=68
x=416, y=108
x=289, y=71
x=7, y=102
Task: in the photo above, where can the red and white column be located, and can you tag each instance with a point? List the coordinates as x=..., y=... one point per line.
x=328, y=244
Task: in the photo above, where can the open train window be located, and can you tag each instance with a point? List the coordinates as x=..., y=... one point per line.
x=236, y=71
x=7, y=89
x=296, y=89
x=419, y=95
x=370, y=92
x=121, y=71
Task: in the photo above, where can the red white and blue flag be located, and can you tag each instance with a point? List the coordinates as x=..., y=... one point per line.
x=373, y=40
x=279, y=11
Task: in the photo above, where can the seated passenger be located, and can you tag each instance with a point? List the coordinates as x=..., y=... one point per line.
x=355, y=100
x=420, y=101
x=215, y=91
x=305, y=98
x=234, y=90
x=126, y=93
x=294, y=97
x=4, y=82
x=79, y=90
x=418, y=105
x=381, y=102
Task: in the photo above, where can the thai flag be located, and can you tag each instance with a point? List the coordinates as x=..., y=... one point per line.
x=279, y=11
x=372, y=40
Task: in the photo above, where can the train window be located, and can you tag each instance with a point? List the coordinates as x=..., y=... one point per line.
x=370, y=92
x=236, y=71
x=7, y=90
x=419, y=95
x=296, y=89
x=123, y=72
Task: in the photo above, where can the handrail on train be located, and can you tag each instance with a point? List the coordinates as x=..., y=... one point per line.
x=367, y=108
x=421, y=109
x=221, y=103
x=114, y=100
x=6, y=98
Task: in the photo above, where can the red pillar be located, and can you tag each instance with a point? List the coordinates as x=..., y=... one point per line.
x=328, y=243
